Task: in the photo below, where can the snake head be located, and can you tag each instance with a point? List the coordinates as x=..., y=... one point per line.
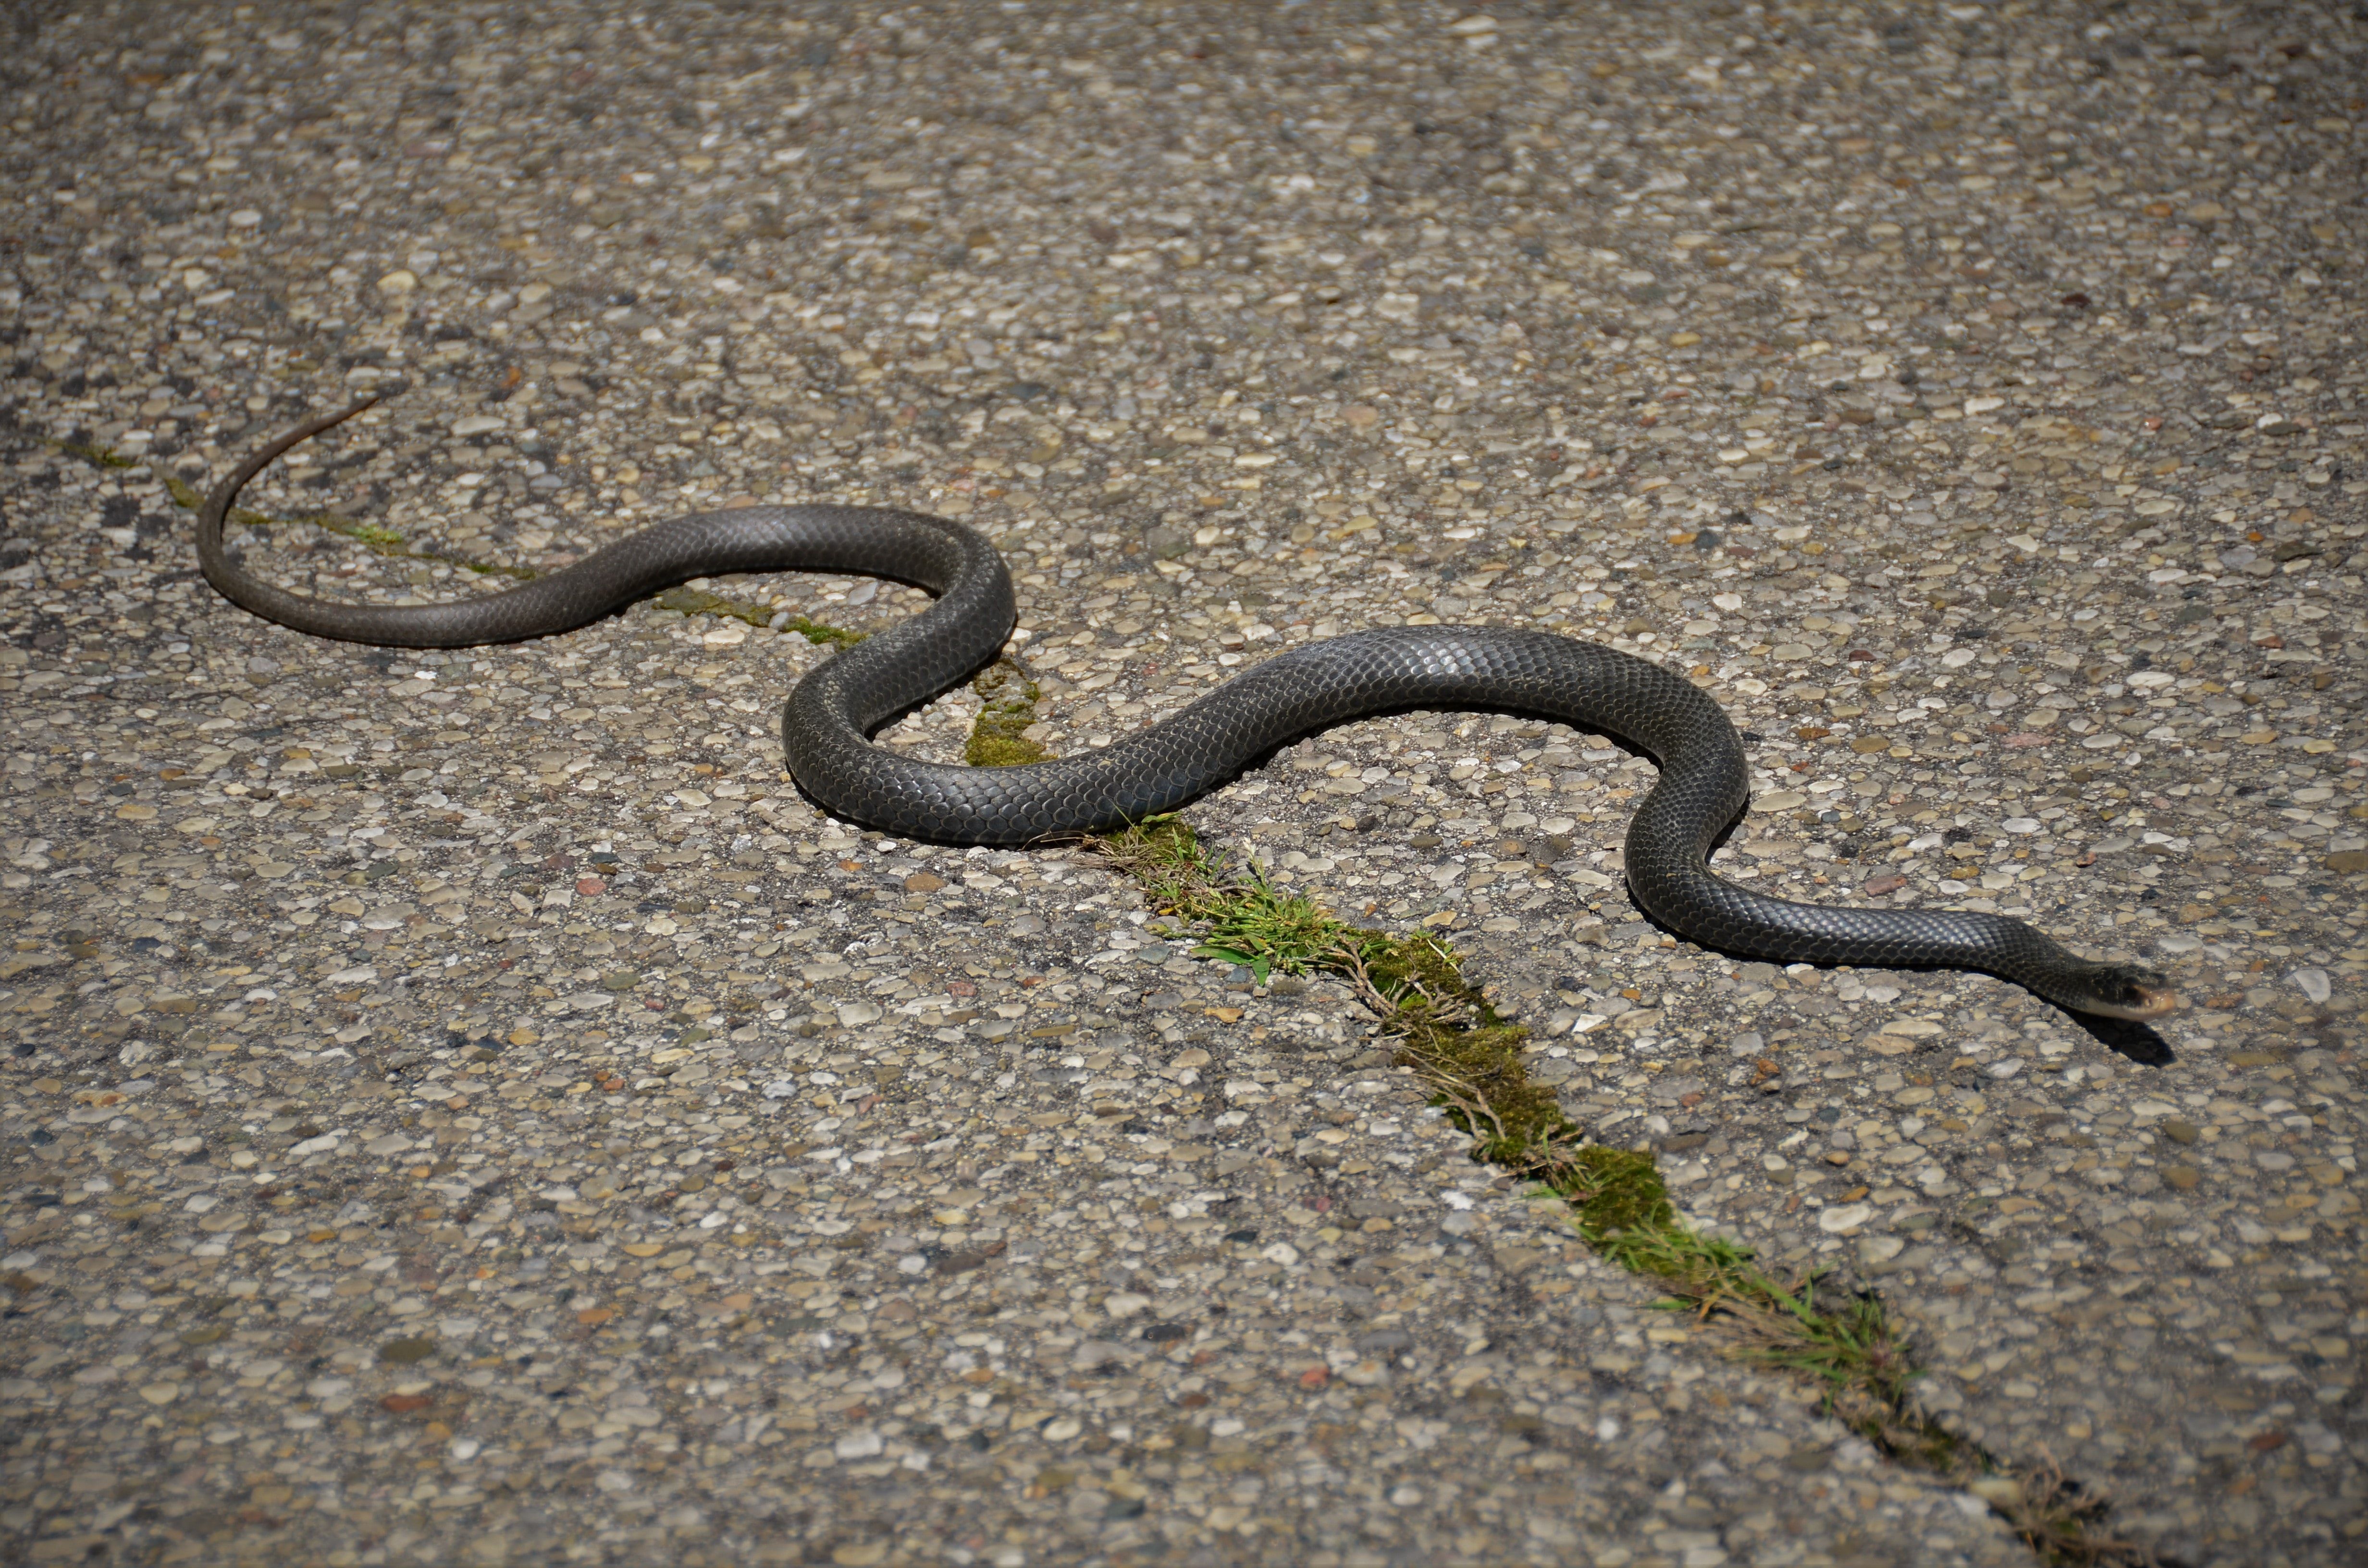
x=2120, y=990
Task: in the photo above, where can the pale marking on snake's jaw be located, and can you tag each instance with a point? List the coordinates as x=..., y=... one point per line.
x=2157, y=1005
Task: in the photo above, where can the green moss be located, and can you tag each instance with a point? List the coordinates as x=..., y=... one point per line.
x=1452, y=1035
x=1008, y=707
x=1001, y=751
x=698, y=601
x=94, y=454
x=1616, y=1191
x=820, y=632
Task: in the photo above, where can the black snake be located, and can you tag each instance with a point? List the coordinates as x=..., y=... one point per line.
x=1702, y=790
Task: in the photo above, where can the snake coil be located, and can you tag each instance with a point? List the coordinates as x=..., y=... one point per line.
x=832, y=713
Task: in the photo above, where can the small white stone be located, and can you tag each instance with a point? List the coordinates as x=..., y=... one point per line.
x=1842, y=1220
x=1879, y=1249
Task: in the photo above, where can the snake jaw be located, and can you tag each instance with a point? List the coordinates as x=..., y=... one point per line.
x=2155, y=1005
x=2137, y=995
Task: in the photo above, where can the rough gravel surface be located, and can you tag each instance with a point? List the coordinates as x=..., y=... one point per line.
x=471, y=1109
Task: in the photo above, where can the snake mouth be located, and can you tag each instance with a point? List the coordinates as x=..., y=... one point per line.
x=2136, y=1001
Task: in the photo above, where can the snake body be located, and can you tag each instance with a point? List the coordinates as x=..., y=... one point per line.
x=1703, y=785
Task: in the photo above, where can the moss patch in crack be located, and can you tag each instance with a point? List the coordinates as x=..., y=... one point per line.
x=1446, y=1029
x=698, y=601
x=376, y=538
x=1449, y=1035
x=1617, y=1201
x=1615, y=1192
x=98, y=454
x=1006, y=708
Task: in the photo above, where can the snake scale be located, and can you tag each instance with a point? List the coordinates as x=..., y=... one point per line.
x=825, y=730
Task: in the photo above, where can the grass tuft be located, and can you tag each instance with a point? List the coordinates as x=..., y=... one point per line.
x=1008, y=707
x=1470, y=1058
x=2060, y=1520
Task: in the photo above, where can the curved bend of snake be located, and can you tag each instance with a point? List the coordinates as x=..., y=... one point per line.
x=834, y=710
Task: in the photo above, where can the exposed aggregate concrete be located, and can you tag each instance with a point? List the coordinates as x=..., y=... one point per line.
x=470, y=1108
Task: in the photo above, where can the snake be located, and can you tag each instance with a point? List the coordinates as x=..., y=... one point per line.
x=833, y=713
